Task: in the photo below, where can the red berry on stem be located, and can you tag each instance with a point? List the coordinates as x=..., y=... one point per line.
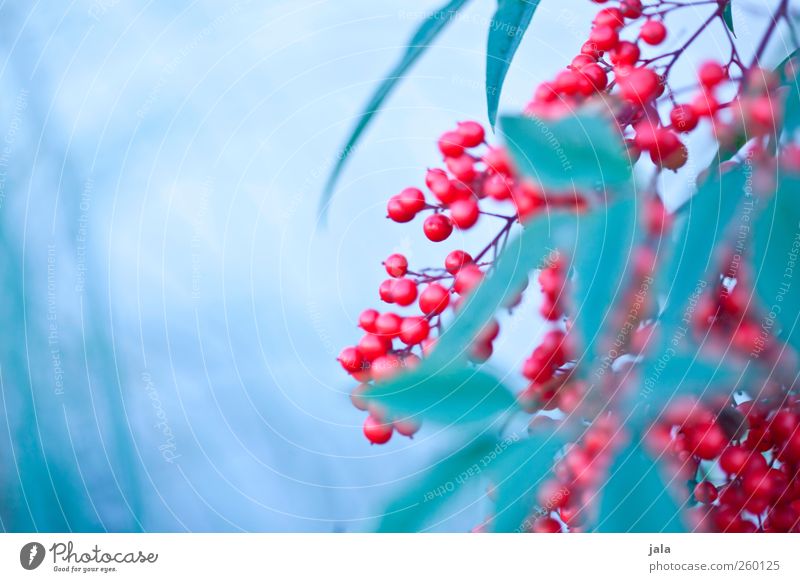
x=406, y=426
x=373, y=346
x=683, y=118
x=467, y=279
x=366, y=320
x=625, y=53
x=609, y=17
x=705, y=492
x=464, y=212
x=413, y=199
x=711, y=74
x=604, y=37
x=386, y=291
x=640, y=86
x=404, y=291
x=388, y=324
x=398, y=211
x=351, y=359
x=396, y=265
x=434, y=299
x=451, y=144
x=631, y=8
x=437, y=227
x=472, y=133
x=653, y=32
x=414, y=330
x=376, y=431
x=455, y=260
x=462, y=167
x=384, y=367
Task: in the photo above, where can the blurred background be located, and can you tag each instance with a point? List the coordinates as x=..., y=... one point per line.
x=172, y=306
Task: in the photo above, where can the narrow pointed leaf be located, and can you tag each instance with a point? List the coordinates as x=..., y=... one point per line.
x=506, y=30
x=421, y=40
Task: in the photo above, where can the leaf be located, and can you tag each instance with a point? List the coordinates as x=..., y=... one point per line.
x=693, y=262
x=430, y=28
x=788, y=71
x=601, y=263
x=582, y=151
x=506, y=30
x=447, y=395
x=727, y=16
x=635, y=499
x=424, y=498
x=775, y=254
x=516, y=475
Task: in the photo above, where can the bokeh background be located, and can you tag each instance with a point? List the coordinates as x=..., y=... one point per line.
x=172, y=306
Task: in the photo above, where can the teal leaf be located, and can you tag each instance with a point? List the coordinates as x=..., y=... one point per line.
x=775, y=253
x=584, y=151
x=601, y=263
x=506, y=30
x=516, y=475
x=727, y=16
x=693, y=262
x=419, y=42
x=788, y=71
x=428, y=494
x=447, y=395
x=634, y=499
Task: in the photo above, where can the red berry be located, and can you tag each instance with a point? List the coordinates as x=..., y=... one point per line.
x=711, y=74
x=414, y=330
x=683, y=118
x=406, y=427
x=597, y=77
x=398, y=211
x=462, y=167
x=705, y=105
x=351, y=359
x=472, y=133
x=437, y=227
x=734, y=460
x=373, y=346
x=480, y=352
x=784, y=424
x=640, y=86
x=604, y=37
x=567, y=82
x=497, y=160
x=709, y=441
x=609, y=17
x=366, y=320
x=467, y=279
x=546, y=525
x=384, y=367
x=357, y=396
x=388, y=324
x=451, y=144
x=498, y=187
x=464, y=212
x=377, y=432
x=705, y=492
x=653, y=32
x=625, y=53
x=443, y=190
x=396, y=265
x=404, y=291
x=413, y=199
x=590, y=48
x=434, y=174
x=386, y=291
x=455, y=260
x=631, y=8
x=434, y=299
x=581, y=61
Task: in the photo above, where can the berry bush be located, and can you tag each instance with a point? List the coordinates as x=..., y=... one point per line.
x=663, y=394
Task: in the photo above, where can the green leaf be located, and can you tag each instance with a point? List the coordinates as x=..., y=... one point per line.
x=789, y=77
x=421, y=40
x=635, y=499
x=602, y=257
x=446, y=395
x=506, y=30
x=775, y=254
x=582, y=151
x=693, y=262
x=429, y=493
x=516, y=475
x=727, y=16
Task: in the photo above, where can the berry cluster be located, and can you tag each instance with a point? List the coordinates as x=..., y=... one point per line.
x=742, y=462
x=742, y=459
